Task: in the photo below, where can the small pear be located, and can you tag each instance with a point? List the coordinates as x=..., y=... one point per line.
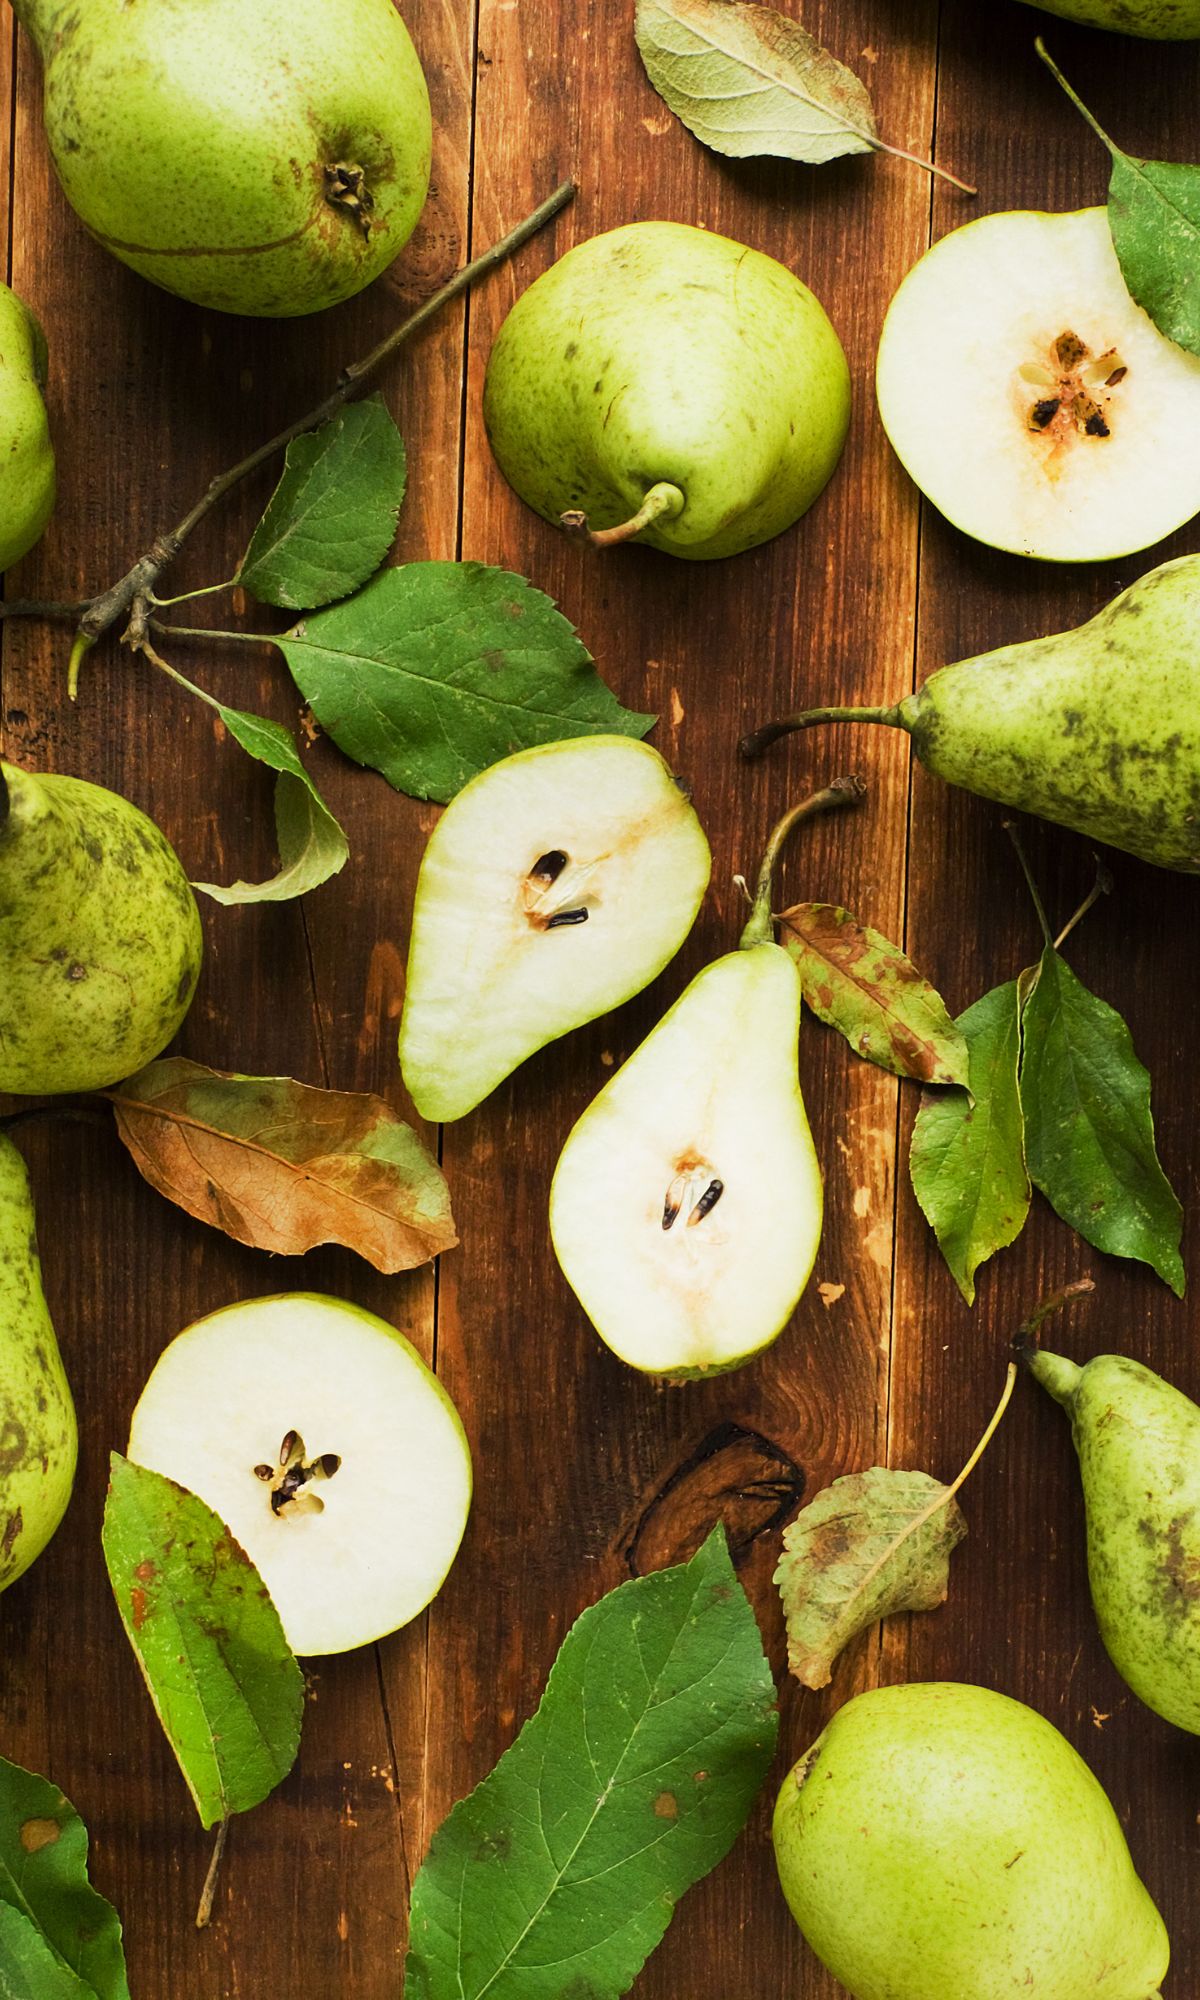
x=1138, y=1441
x=555, y=886
x=943, y=1842
x=664, y=383
x=38, y=1436
x=258, y=156
x=100, y=938
x=1157, y=20
x=686, y=1205
x=26, y=453
x=1097, y=728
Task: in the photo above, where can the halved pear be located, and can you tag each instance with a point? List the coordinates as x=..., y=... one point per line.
x=555, y=886
x=330, y=1450
x=686, y=1206
x=1031, y=400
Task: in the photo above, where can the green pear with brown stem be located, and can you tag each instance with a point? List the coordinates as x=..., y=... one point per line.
x=1097, y=729
x=38, y=1435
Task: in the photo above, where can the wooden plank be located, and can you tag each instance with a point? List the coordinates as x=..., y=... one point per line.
x=1018, y=1617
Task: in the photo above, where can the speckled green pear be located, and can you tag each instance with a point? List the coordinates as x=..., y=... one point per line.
x=26, y=453
x=943, y=1842
x=100, y=938
x=38, y=1436
x=1157, y=20
x=1138, y=1441
x=258, y=156
x=665, y=384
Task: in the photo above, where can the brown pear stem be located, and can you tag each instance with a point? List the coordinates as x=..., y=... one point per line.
x=662, y=502
x=842, y=792
x=757, y=740
x=1027, y=1337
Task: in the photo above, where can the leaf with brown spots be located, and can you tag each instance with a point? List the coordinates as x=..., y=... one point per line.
x=860, y=983
x=59, y=1939
x=283, y=1166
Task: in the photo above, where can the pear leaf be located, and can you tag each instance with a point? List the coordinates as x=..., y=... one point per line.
x=967, y=1158
x=287, y=1167
x=561, y=1871
x=59, y=1938
x=747, y=80
x=869, y=1545
x=332, y=518
x=438, y=669
x=858, y=982
x=1089, y=1131
x=227, y=1687
x=283, y=1166
x=312, y=846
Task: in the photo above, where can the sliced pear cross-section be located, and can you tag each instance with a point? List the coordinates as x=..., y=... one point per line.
x=555, y=886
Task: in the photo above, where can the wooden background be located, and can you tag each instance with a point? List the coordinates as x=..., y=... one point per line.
x=573, y=1451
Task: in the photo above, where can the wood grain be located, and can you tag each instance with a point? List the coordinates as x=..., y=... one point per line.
x=584, y=1471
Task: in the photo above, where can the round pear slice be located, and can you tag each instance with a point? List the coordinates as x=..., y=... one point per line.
x=555, y=886
x=325, y=1444
x=686, y=1206
x=1031, y=400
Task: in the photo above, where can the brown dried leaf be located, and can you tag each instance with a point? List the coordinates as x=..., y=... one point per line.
x=860, y=983
x=282, y=1166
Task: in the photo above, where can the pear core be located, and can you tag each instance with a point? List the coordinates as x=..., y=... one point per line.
x=330, y=1450
x=1031, y=400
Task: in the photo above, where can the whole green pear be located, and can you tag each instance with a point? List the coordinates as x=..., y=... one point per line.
x=1138, y=1441
x=100, y=938
x=943, y=1842
x=38, y=1436
x=1096, y=728
x=663, y=383
x=258, y=156
x=1157, y=20
x=26, y=453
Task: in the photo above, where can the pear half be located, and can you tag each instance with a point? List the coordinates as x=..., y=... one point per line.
x=1031, y=400
x=686, y=1206
x=555, y=886
x=330, y=1450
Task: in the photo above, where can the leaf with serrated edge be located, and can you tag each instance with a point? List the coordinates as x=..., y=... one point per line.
x=858, y=982
x=332, y=518
x=312, y=846
x=559, y=1874
x=748, y=80
x=55, y=1929
x=967, y=1157
x=284, y=1166
x=437, y=670
x=872, y=1544
x=226, y=1685
x=1089, y=1130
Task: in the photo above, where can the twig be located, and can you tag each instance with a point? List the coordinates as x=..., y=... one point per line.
x=209, y=1891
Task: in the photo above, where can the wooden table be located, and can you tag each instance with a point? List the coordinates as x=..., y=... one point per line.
x=574, y=1451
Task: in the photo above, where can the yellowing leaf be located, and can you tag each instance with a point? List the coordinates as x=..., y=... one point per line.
x=860, y=983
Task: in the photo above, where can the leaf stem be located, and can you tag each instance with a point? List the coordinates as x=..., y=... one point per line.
x=209, y=1891
x=1010, y=828
x=1102, y=886
x=989, y=1433
x=1075, y=98
x=82, y=1113
x=927, y=166
x=186, y=596
x=842, y=792
x=211, y=632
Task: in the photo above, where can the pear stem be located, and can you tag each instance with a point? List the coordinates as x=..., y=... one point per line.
x=209, y=1891
x=842, y=792
x=757, y=740
x=1025, y=1342
x=662, y=502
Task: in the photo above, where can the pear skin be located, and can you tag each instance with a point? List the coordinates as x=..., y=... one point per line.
x=26, y=453
x=38, y=1436
x=1138, y=1442
x=100, y=938
x=943, y=1842
x=1157, y=20
x=282, y=146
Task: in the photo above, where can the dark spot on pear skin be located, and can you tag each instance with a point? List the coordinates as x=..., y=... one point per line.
x=14, y=1445
x=12, y=1530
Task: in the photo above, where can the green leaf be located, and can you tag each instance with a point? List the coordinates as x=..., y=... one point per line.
x=1088, y=1127
x=59, y=1939
x=858, y=982
x=967, y=1159
x=748, y=80
x=332, y=518
x=438, y=669
x=312, y=846
x=228, y=1690
x=872, y=1544
x=560, y=1873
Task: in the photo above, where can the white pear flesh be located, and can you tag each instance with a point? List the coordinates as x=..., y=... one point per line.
x=970, y=365
x=711, y=1095
x=499, y=963
x=226, y=1392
